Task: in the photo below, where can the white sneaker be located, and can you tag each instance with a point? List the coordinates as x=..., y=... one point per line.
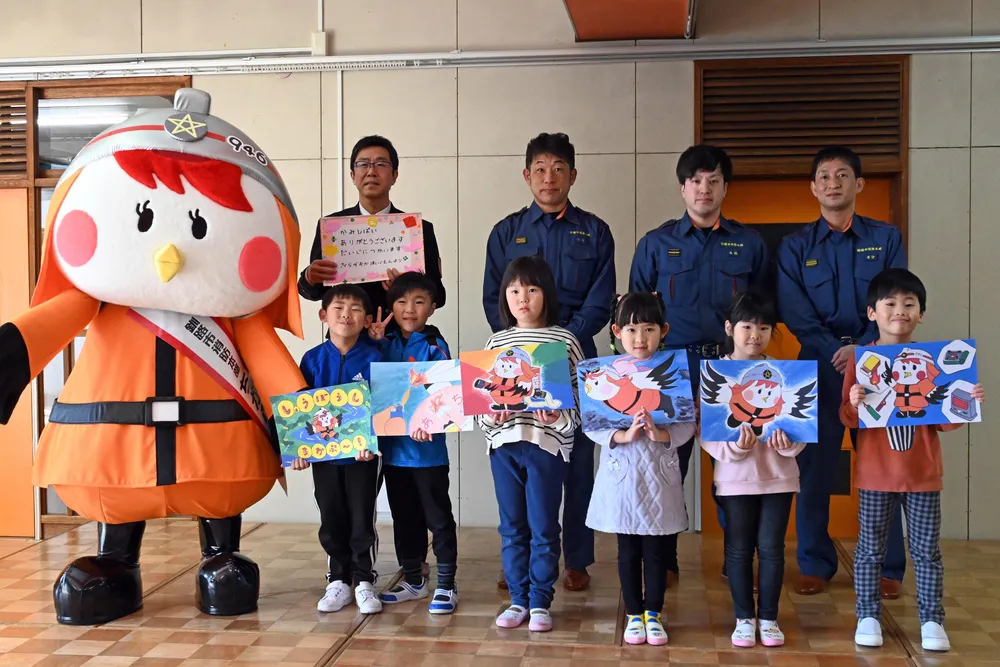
x=337, y=596
x=933, y=637
x=405, y=592
x=869, y=633
x=770, y=634
x=745, y=634
x=368, y=602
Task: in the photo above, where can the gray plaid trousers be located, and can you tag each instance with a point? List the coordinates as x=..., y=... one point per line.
x=923, y=529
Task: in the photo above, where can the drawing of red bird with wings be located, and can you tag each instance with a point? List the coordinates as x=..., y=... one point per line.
x=627, y=387
x=511, y=381
x=912, y=376
x=757, y=398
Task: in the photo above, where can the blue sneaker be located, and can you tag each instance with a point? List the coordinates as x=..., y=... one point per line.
x=445, y=601
x=405, y=592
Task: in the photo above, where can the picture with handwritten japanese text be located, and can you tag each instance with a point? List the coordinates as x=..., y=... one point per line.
x=521, y=378
x=366, y=247
x=424, y=395
x=324, y=424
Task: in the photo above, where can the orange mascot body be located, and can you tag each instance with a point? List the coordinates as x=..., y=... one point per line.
x=173, y=241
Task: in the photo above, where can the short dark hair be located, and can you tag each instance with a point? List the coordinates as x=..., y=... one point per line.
x=896, y=281
x=844, y=153
x=411, y=281
x=379, y=142
x=753, y=306
x=704, y=157
x=636, y=308
x=554, y=144
x=349, y=292
x=530, y=270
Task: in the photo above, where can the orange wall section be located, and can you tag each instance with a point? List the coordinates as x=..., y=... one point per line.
x=17, y=518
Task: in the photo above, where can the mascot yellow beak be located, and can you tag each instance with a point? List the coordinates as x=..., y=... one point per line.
x=169, y=261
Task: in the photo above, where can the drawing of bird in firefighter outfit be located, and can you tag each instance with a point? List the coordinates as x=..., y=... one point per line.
x=627, y=387
x=513, y=383
x=911, y=377
x=172, y=239
x=757, y=398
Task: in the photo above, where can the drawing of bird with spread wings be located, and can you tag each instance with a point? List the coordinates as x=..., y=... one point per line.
x=627, y=387
x=757, y=398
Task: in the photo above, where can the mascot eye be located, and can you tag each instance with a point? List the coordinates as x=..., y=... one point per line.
x=145, y=216
x=199, y=227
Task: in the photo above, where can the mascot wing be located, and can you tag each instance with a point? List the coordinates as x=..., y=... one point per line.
x=799, y=400
x=938, y=394
x=716, y=388
x=660, y=378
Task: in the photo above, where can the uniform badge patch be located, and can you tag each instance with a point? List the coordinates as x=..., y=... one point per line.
x=812, y=262
x=674, y=252
x=521, y=240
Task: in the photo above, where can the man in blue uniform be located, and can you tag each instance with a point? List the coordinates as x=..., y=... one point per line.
x=581, y=251
x=823, y=275
x=697, y=264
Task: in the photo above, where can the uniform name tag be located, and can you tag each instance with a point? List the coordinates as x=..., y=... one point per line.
x=521, y=240
x=674, y=252
x=812, y=262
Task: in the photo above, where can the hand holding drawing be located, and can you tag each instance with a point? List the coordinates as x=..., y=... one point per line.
x=392, y=275
x=779, y=440
x=501, y=417
x=299, y=464
x=653, y=432
x=857, y=395
x=623, y=436
x=842, y=357
x=978, y=393
x=420, y=435
x=377, y=329
x=366, y=455
x=547, y=417
x=748, y=439
x=320, y=271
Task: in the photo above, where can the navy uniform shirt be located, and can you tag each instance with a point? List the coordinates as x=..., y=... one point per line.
x=823, y=278
x=581, y=251
x=697, y=272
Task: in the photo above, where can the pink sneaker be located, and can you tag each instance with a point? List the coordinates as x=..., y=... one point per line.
x=745, y=634
x=770, y=634
x=512, y=616
x=541, y=620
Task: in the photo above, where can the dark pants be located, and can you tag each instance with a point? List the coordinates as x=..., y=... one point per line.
x=578, y=539
x=816, y=553
x=529, y=487
x=643, y=558
x=346, y=495
x=418, y=497
x=756, y=523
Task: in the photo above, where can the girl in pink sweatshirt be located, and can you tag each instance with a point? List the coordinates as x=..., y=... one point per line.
x=756, y=481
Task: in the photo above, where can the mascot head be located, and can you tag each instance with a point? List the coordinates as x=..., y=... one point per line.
x=177, y=210
x=913, y=366
x=760, y=386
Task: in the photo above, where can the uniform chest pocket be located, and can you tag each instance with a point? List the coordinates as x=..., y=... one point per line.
x=678, y=281
x=578, y=270
x=517, y=250
x=864, y=271
x=819, y=284
x=730, y=278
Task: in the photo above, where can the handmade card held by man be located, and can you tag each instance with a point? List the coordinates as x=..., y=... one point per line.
x=366, y=247
x=918, y=384
x=613, y=390
x=324, y=424
x=425, y=395
x=520, y=378
x=764, y=395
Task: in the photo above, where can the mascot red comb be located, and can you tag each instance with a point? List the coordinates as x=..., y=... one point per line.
x=173, y=240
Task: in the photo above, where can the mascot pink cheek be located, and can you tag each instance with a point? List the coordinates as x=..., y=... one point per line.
x=260, y=264
x=76, y=238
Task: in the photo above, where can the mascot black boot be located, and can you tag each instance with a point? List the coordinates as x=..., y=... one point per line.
x=228, y=581
x=98, y=589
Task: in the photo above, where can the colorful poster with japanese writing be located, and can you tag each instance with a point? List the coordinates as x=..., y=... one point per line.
x=520, y=378
x=918, y=383
x=324, y=424
x=765, y=395
x=366, y=247
x=615, y=389
x=424, y=395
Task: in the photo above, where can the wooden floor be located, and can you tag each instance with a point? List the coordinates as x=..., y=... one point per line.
x=288, y=631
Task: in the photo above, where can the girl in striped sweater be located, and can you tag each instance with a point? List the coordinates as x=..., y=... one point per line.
x=529, y=451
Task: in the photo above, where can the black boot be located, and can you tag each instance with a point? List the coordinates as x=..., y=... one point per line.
x=228, y=581
x=98, y=589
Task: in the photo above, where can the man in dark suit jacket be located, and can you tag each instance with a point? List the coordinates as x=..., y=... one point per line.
x=374, y=169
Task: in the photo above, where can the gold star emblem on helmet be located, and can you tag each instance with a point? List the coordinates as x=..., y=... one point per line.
x=186, y=125
x=767, y=374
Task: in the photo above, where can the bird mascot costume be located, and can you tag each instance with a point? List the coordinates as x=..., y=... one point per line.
x=171, y=238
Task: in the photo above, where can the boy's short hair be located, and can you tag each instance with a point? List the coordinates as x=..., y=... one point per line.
x=896, y=281
x=350, y=293
x=553, y=144
x=411, y=281
x=704, y=157
x=374, y=140
x=530, y=270
x=844, y=153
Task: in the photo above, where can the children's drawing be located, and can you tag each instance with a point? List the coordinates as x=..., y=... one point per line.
x=517, y=379
x=764, y=395
x=366, y=247
x=324, y=424
x=423, y=395
x=615, y=389
x=917, y=384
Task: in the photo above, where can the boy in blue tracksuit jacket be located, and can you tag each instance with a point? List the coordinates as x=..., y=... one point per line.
x=416, y=467
x=346, y=489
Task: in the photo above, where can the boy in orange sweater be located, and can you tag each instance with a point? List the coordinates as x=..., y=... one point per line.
x=898, y=464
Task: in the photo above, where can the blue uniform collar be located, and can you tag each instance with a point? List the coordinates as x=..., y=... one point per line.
x=430, y=331
x=570, y=214
x=685, y=226
x=858, y=226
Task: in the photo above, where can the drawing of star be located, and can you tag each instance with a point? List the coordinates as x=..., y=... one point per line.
x=187, y=125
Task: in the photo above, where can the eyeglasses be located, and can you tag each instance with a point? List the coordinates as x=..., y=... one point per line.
x=362, y=165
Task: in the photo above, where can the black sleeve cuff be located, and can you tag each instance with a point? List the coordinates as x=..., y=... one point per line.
x=15, y=369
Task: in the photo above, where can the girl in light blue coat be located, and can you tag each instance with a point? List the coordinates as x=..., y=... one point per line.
x=638, y=491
